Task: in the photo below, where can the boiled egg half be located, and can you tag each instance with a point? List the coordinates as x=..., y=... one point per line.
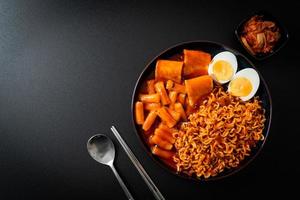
x=223, y=67
x=244, y=84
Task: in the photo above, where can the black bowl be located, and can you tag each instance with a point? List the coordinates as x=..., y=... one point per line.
x=212, y=48
x=265, y=16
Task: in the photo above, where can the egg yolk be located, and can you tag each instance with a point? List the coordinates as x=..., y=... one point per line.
x=240, y=87
x=222, y=70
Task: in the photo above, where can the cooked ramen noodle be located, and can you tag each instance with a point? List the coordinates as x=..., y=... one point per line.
x=219, y=135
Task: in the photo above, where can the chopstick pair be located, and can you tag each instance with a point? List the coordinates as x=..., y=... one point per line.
x=138, y=166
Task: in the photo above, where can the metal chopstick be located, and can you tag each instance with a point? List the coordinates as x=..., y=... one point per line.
x=138, y=166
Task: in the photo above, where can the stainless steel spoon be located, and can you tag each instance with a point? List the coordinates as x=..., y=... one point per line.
x=101, y=149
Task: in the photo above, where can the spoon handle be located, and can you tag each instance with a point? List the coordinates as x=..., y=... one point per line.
x=138, y=166
x=125, y=189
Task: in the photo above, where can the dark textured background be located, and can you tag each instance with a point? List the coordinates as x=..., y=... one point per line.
x=67, y=71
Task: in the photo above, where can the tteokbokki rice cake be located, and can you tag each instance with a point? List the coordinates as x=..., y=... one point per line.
x=199, y=112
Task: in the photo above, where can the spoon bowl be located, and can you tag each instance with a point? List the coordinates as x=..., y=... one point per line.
x=101, y=149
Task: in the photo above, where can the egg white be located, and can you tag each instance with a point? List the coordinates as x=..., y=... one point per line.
x=252, y=76
x=226, y=56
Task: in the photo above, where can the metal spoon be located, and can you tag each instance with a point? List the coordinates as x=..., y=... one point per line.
x=101, y=149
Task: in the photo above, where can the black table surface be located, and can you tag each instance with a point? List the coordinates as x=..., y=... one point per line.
x=68, y=69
